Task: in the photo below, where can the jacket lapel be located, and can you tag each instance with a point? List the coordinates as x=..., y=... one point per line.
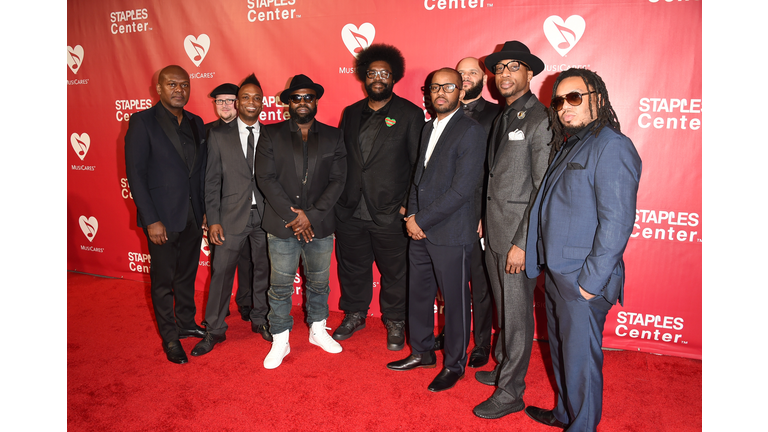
x=170, y=131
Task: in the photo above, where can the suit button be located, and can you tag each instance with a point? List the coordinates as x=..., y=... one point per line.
x=297, y=197
x=489, y=198
x=491, y=174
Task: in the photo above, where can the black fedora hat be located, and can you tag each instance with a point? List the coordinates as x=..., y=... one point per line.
x=515, y=50
x=229, y=89
x=298, y=82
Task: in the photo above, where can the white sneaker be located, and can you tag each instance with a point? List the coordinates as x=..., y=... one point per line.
x=280, y=349
x=320, y=337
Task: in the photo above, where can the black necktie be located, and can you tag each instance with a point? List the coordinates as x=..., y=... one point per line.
x=251, y=148
x=502, y=134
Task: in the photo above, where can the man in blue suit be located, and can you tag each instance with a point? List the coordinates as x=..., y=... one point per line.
x=579, y=226
x=442, y=224
x=165, y=157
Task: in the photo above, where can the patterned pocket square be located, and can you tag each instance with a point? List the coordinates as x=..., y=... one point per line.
x=516, y=135
x=574, y=165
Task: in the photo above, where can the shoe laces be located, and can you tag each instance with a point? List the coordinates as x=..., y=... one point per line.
x=395, y=325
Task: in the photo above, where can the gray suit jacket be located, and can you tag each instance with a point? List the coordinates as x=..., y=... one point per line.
x=514, y=176
x=229, y=184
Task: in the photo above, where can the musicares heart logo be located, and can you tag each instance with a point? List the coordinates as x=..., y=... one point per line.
x=564, y=35
x=75, y=58
x=357, y=39
x=90, y=227
x=197, y=47
x=81, y=144
x=204, y=246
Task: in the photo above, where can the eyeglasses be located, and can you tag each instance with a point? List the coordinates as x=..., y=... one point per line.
x=383, y=74
x=296, y=98
x=513, y=66
x=225, y=101
x=573, y=98
x=448, y=88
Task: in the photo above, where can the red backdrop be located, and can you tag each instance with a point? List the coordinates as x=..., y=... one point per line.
x=116, y=48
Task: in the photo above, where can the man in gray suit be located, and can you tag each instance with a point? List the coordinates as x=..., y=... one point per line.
x=235, y=207
x=517, y=159
x=442, y=225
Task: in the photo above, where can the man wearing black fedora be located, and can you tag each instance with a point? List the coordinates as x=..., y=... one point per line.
x=301, y=169
x=518, y=154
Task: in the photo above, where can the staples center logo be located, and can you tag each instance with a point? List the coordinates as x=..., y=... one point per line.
x=357, y=39
x=90, y=227
x=81, y=144
x=564, y=35
x=75, y=58
x=197, y=47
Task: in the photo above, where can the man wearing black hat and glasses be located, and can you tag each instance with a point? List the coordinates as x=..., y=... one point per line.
x=517, y=159
x=301, y=169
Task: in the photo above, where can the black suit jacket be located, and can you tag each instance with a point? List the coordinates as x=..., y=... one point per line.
x=213, y=124
x=443, y=194
x=485, y=112
x=279, y=163
x=160, y=181
x=384, y=178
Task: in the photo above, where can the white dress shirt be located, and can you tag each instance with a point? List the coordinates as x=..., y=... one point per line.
x=241, y=127
x=439, y=126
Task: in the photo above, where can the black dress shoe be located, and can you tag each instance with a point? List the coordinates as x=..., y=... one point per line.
x=439, y=341
x=479, y=356
x=395, y=335
x=175, y=352
x=487, y=377
x=413, y=361
x=245, y=312
x=493, y=409
x=263, y=330
x=197, y=332
x=351, y=323
x=546, y=417
x=444, y=380
x=206, y=345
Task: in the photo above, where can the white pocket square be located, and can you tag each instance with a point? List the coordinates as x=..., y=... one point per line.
x=516, y=135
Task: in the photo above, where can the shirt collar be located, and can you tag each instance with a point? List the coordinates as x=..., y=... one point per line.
x=443, y=122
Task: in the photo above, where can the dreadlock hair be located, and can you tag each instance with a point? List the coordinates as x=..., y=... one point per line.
x=605, y=114
x=380, y=52
x=251, y=79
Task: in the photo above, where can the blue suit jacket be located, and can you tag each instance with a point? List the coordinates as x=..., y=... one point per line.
x=443, y=194
x=160, y=182
x=583, y=216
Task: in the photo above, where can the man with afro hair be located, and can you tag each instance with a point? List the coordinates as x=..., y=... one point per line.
x=381, y=133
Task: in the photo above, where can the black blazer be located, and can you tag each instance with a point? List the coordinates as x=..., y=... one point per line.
x=385, y=177
x=443, y=194
x=160, y=182
x=485, y=113
x=279, y=163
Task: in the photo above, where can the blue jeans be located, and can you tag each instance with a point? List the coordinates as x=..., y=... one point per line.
x=284, y=257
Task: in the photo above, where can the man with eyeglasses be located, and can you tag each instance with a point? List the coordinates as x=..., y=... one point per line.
x=301, y=168
x=381, y=133
x=235, y=208
x=580, y=224
x=224, y=97
x=517, y=160
x=442, y=225
x=165, y=158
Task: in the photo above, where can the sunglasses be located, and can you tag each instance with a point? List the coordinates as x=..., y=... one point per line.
x=573, y=98
x=296, y=98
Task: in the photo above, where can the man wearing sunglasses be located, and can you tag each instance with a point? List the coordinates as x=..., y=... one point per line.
x=301, y=168
x=517, y=160
x=381, y=133
x=442, y=225
x=580, y=224
x=224, y=97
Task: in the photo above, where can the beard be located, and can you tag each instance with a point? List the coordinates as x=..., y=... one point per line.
x=302, y=118
x=378, y=97
x=473, y=91
x=446, y=108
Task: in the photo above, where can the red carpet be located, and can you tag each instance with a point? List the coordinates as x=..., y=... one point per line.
x=119, y=379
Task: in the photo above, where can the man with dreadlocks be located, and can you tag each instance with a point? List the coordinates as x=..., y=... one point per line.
x=579, y=226
x=382, y=134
